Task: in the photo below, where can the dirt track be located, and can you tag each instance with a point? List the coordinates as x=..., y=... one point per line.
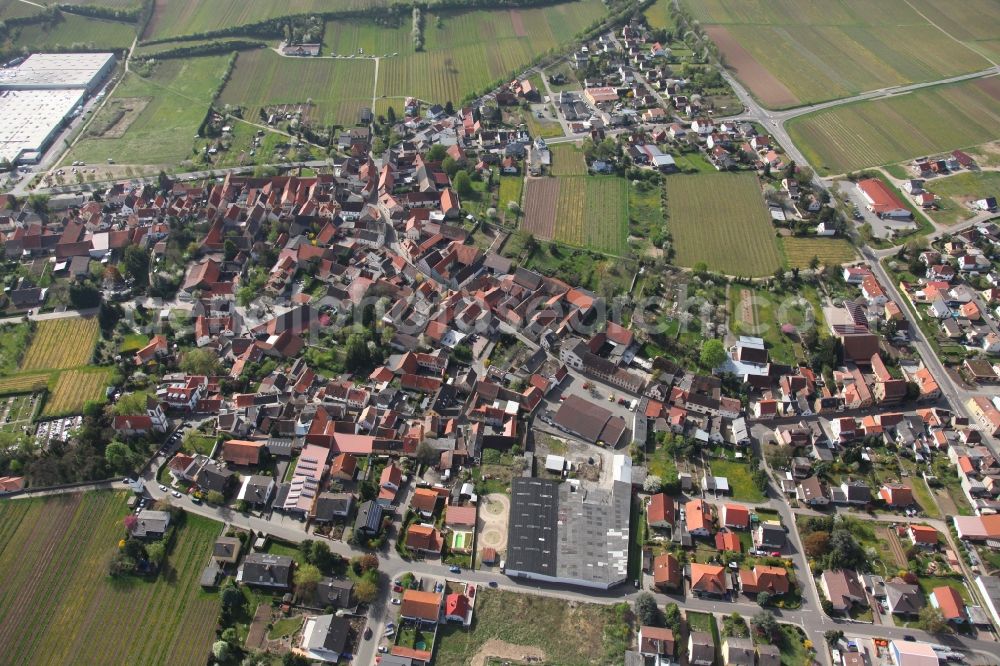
x=507, y=651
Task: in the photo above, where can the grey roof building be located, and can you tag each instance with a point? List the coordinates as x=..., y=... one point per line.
x=701, y=649
x=738, y=652
x=904, y=599
x=265, y=570
x=151, y=524
x=333, y=592
x=369, y=518
x=568, y=533
x=331, y=506
x=324, y=637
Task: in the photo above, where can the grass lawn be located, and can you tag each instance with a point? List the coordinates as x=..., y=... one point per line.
x=178, y=93
x=282, y=548
x=730, y=234
x=14, y=340
x=928, y=583
x=569, y=633
x=792, y=646
x=285, y=627
x=740, y=480
x=60, y=606
x=194, y=443
x=956, y=191
x=76, y=29
x=923, y=497
x=510, y=190
x=133, y=342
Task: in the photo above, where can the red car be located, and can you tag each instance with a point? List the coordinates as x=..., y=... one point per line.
x=775, y=554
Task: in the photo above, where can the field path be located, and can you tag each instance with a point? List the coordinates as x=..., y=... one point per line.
x=375, y=86
x=507, y=651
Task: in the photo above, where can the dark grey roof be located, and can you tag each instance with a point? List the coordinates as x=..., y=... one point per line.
x=904, y=598
x=369, y=517
x=582, y=417
x=334, y=592
x=532, y=525
x=266, y=570
x=213, y=478
x=569, y=531
x=329, y=632
x=330, y=505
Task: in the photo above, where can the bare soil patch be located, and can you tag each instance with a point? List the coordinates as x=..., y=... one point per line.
x=764, y=85
x=498, y=649
x=493, y=522
x=746, y=307
x=540, y=201
x=115, y=119
x=518, y=22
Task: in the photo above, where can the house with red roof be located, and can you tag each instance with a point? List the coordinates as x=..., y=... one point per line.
x=773, y=580
x=726, y=540
x=661, y=513
x=709, y=579
x=242, y=453
x=882, y=201
x=896, y=495
x=947, y=600
x=667, y=573
x=425, y=539
x=735, y=516
x=923, y=536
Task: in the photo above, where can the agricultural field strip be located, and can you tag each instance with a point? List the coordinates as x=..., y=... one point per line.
x=873, y=46
x=721, y=219
x=87, y=600
x=885, y=131
x=74, y=389
x=61, y=343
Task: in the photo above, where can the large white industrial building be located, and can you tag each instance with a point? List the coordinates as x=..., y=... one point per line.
x=40, y=94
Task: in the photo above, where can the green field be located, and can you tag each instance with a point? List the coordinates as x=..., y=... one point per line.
x=768, y=312
x=17, y=9
x=720, y=219
x=830, y=251
x=864, y=134
x=956, y=191
x=567, y=160
x=337, y=88
x=474, y=49
x=740, y=480
x=976, y=23
x=178, y=93
x=187, y=17
x=73, y=29
x=792, y=52
x=58, y=605
x=347, y=37
x=510, y=190
x=593, y=212
x=660, y=15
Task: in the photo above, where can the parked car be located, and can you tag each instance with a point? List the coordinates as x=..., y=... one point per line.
x=163, y=488
x=493, y=583
x=368, y=633
x=454, y=569
x=176, y=494
x=396, y=601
